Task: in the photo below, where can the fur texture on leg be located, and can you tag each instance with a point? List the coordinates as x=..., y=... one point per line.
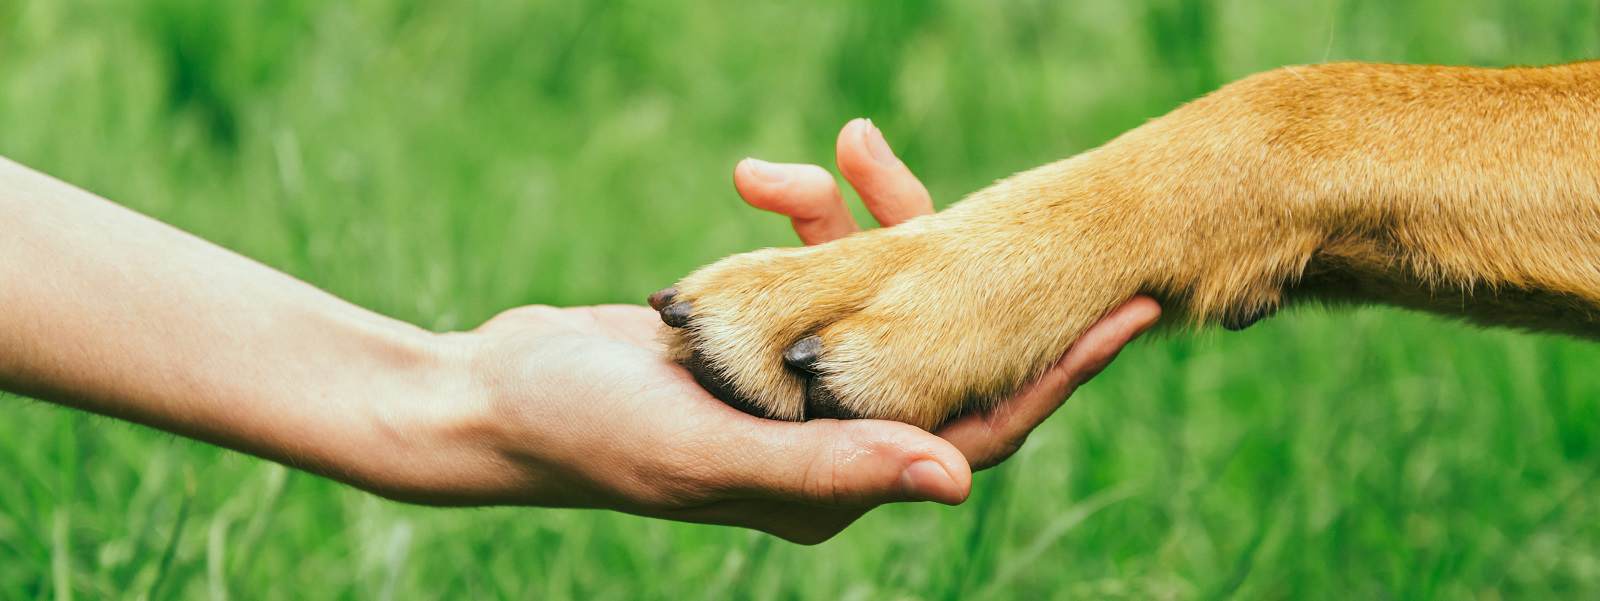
x=1462, y=191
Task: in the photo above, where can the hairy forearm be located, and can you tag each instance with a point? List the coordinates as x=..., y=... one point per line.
x=109, y=311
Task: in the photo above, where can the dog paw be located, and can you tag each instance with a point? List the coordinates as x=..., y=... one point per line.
x=956, y=311
x=917, y=324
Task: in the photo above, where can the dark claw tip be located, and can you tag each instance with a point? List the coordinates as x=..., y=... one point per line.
x=676, y=314
x=804, y=353
x=662, y=298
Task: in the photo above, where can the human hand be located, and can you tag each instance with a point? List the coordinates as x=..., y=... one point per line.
x=584, y=412
x=581, y=410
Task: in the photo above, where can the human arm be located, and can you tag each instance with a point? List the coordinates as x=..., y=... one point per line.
x=109, y=311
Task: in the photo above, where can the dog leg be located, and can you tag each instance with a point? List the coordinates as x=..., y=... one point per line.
x=1468, y=192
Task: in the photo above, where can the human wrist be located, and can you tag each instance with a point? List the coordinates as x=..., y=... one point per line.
x=427, y=415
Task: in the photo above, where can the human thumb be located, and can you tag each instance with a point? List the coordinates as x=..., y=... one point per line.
x=851, y=463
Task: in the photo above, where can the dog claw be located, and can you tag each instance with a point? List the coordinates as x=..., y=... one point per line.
x=662, y=298
x=803, y=354
x=676, y=314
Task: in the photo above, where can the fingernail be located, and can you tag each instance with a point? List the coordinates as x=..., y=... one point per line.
x=926, y=480
x=765, y=171
x=877, y=146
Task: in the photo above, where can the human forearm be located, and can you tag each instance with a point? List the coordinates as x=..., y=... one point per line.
x=112, y=312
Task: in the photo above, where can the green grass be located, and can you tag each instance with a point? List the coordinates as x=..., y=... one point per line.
x=441, y=163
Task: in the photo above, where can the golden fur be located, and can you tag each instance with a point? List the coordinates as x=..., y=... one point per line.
x=1463, y=191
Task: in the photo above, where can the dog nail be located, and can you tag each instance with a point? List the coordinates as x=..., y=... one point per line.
x=676, y=314
x=662, y=298
x=803, y=354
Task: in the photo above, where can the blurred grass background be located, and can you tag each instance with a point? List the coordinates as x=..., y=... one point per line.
x=441, y=161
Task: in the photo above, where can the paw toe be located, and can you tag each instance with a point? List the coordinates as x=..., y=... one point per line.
x=721, y=387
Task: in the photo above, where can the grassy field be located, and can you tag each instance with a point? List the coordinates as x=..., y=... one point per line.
x=441, y=161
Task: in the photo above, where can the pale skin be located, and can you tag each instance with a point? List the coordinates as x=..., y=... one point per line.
x=108, y=311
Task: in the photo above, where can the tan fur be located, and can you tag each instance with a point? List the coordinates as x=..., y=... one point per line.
x=1462, y=191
